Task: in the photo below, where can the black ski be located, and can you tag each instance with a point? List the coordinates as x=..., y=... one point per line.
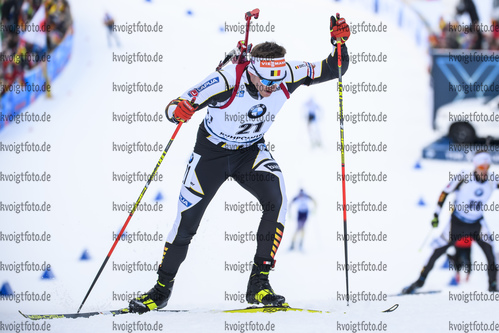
x=416, y=293
x=254, y=309
x=87, y=314
x=267, y=309
x=74, y=315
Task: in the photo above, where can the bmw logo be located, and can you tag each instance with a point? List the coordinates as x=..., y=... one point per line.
x=479, y=192
x=192, y=158
x=257, y=111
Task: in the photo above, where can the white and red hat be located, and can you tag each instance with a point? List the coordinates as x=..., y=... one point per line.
x=482, y=159
x=270, y=69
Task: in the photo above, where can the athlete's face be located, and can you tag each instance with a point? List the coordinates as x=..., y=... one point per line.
x=482, y=170
x=264, y=90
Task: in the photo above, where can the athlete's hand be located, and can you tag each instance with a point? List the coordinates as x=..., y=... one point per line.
x=434, y=222
x=338, y=28
x=184, y=111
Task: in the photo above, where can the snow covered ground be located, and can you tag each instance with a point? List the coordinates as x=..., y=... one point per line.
x=82, y=191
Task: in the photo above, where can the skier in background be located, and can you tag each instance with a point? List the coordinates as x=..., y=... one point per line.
x=303, y=202
x=472, y=193
x=312, y=112
x=242, y=102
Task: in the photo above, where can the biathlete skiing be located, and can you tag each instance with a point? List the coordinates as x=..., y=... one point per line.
x=241, y=101
x=473, y=190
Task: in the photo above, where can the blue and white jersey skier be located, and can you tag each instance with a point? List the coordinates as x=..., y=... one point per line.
x=312, y=113
x=473, y=190
x=304, y=203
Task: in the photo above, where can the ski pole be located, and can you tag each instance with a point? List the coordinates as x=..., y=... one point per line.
x=131, y=212
x=342, y=139
x=425, y=240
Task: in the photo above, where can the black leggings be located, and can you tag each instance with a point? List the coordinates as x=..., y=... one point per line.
x=209, y=166
x=459, y=230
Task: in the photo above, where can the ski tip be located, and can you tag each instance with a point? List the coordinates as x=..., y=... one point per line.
x=391, y=309
x=22, y=314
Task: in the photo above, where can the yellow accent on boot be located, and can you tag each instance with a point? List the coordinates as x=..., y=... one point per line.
x=150, y=304
x=262, y=293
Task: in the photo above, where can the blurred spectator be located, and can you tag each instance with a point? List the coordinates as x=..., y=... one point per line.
x=58, y=19
x=494, y=39
x=474, y=35
x=16, y=14
x=467, y=6
x=109, y=23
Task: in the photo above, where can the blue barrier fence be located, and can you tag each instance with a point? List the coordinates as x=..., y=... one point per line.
x=14, y=102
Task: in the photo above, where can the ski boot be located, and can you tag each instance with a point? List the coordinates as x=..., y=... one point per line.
x=493, y=286
x=259, y=289
x=412, y=288
x=156, y=298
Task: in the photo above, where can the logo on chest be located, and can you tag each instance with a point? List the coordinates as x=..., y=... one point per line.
x=478, y=192
x=257, y=111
